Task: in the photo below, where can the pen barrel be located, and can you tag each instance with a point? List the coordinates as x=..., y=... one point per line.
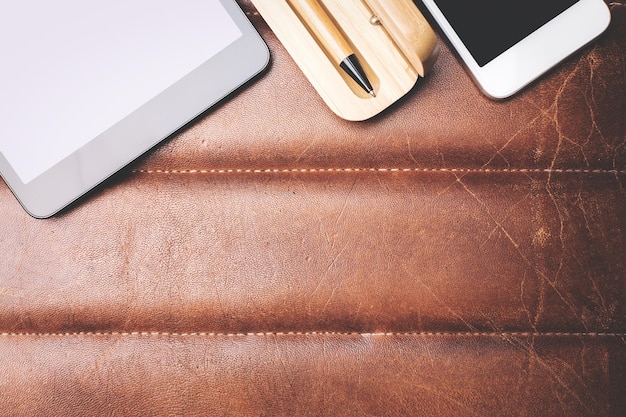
x=323, y=28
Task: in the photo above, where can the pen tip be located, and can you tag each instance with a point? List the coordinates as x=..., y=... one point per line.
x=372, y=93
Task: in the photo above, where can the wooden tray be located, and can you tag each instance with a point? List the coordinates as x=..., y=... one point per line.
x=391, y=38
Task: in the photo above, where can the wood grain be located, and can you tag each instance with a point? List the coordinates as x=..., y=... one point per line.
x=392, y=59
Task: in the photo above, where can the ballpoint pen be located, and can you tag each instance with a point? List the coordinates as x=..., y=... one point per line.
x=332, y=40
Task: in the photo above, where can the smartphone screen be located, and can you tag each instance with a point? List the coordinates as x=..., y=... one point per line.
x=490, y=27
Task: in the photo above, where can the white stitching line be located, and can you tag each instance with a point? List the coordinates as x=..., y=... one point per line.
x=382, y=170
x=323, y=334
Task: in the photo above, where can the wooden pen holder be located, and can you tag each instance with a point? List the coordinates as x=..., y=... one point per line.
x=391, y=38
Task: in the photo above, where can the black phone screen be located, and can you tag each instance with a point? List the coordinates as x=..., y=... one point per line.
x=490, y=27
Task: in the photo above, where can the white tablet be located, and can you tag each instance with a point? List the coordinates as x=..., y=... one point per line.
x=505, y=45
x=88, y=86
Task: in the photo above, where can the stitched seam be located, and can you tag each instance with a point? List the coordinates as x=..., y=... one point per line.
x=324, y=334
x=381, y=170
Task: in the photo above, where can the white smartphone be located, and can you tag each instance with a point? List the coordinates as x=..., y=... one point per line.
x=506, y=45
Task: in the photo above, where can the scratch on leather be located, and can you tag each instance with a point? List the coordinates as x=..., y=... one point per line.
x=544, y=277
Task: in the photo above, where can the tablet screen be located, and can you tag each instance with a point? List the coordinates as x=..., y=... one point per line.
x=71, y=69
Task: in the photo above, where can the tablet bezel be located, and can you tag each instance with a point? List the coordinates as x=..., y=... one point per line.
x=144, y=128
x=522, y=64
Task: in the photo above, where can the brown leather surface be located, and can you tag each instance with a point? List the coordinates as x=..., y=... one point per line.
x=452, y=256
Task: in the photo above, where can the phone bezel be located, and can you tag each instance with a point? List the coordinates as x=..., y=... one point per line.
x=527, y=60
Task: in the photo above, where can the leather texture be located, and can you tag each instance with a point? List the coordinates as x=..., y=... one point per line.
x=452, y=256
